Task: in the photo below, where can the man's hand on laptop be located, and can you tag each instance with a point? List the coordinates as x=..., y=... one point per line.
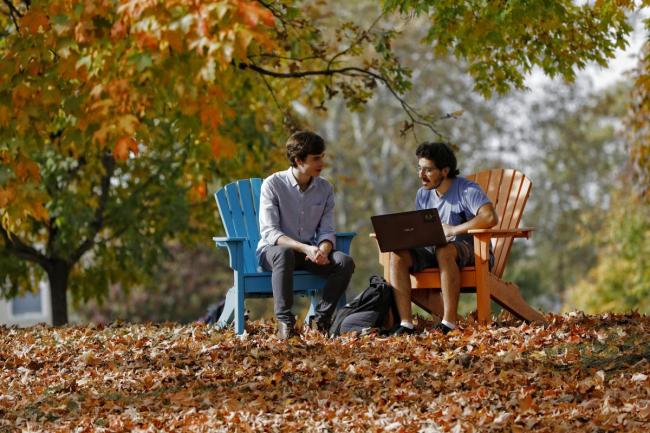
x=317, y=256
x=450, y=231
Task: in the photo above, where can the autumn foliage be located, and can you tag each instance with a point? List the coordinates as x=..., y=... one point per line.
x=93, y=76
x=578, y=373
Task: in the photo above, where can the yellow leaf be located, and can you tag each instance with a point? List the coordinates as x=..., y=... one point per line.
x=102, y=133
x=244, y=38
x=127, y=124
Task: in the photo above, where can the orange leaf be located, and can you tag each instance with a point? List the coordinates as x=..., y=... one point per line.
x=4, y=116
x=118, y=31
x=267, y=17
x=249, y=12
x=175, y=40
x=35, y=20
x=222, y=147
x=210, y=115
x=252, y=13
x=27, y=169
x=146, y=40
x=526, y=402
x=6, y=196
x=201, y=189
x=39, y=212
x=122, y=147
x=21, y=93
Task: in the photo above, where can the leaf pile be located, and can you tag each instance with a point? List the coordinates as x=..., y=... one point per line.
x=576, y=373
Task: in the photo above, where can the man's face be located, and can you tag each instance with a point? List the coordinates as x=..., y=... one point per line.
x=430, y=175
x=312, y=165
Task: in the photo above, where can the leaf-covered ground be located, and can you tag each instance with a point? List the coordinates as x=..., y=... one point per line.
x=577, y=373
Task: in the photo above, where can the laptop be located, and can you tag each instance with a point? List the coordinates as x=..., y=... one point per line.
x=406, y=230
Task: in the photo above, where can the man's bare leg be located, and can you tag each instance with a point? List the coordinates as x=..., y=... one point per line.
x=449, y=281
x=400, y=263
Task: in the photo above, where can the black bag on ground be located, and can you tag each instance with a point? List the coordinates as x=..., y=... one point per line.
x=214, y=312
x=368, y=310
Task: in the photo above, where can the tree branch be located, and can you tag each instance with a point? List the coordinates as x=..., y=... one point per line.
x=359, y=40
x=13, y=11
x=109, y=165
x=20, y=249
x=350, y=71
x=279, y=15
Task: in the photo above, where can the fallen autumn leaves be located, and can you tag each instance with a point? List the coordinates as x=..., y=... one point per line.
x=577, y=373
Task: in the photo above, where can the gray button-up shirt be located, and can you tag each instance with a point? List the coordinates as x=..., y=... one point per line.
x=304, y=216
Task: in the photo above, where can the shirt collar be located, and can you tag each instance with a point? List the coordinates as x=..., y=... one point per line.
x=292, y=180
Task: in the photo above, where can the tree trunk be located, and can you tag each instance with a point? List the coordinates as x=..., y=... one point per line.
x=58, y=273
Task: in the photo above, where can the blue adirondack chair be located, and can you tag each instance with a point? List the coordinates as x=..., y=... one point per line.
x=238, y=204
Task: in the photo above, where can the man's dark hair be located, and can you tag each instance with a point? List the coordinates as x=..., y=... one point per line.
x=303, y=143
x=441, y=154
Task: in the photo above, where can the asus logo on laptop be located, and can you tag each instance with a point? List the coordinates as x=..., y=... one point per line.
x=428, y=217
x=409, y=229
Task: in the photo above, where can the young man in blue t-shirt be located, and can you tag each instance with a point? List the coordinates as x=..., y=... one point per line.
x=462, y=206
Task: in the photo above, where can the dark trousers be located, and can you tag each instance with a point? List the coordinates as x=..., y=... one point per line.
x=282, y=261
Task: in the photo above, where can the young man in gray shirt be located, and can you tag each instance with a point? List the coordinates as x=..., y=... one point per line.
x=296, y=219
x=462, y=206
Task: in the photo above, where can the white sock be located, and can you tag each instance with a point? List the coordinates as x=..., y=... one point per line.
x=449, y=324
x=407, y=324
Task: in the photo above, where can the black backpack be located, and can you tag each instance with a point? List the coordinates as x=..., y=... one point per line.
x=368, y=310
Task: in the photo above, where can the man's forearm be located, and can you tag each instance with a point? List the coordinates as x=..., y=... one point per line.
x=291, y=243
x=484, y=220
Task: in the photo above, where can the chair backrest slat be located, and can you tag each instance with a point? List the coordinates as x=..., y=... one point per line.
x=236, y=212
x=508, y=190
x=518, y=198
x=503, y=194
x=256, y=185
x=250, y=209
x=225, y=212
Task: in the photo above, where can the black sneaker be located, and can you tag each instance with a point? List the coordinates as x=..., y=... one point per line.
x=441, y=327
x=398, y=330
x=320, y=325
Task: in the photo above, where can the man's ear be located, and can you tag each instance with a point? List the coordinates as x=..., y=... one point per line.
x=445, y=171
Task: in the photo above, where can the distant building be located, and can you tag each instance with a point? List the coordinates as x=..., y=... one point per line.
x=27, y=310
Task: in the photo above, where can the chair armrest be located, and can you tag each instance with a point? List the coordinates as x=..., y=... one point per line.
x=503, y=233
x=343, y=241
x=223, y=241
x=235, y=250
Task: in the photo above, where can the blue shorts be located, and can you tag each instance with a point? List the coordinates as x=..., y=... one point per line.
x=425, y=257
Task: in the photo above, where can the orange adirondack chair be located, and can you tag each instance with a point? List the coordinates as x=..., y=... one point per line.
x=508, y=190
